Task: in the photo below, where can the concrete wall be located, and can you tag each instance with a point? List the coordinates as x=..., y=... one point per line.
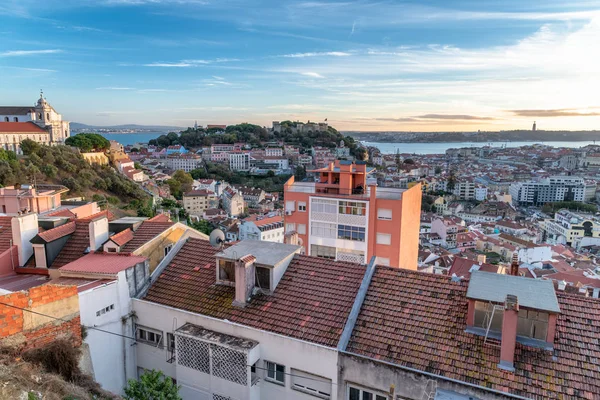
x=9, y=260
x=26, y=330
x=409, y=228
x=24, y=228
x=291, y=353
x=154, y=250
x=396, y=382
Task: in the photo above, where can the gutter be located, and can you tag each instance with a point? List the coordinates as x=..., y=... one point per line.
x=445, y=378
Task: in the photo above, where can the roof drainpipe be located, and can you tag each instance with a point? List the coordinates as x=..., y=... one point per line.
x=358, y=302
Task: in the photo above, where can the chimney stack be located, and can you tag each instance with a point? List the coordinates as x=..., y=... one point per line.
x=514, y=266
x=244, y=279
x=24, y=228
x=509, y=333
x=98, y=233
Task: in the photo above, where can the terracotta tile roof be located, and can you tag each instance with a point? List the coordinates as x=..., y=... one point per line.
x=102, y=263
x=17, y=282
x=58, y=232
x=311, y=302
x=461, y=267
x=264, y=221
x=418, y=320
x=160, y=218
x=75, y=246
x=5, y=233
x=82, y=284
x=63, y=213
x=122, y=237
x=100, y=214
x=200, y=192
x=147, y=231
x=20, y=127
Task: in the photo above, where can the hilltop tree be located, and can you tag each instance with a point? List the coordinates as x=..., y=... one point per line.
x=88, y=141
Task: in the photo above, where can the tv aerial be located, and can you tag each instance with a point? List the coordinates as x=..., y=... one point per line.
x=217, y=239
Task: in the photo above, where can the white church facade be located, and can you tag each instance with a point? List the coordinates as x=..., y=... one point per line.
x=40, y=123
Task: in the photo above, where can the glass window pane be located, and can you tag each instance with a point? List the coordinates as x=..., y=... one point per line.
x=367, y=396
x=354, y=394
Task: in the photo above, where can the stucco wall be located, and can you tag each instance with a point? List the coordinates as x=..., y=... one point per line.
x=397, y=382
x=291, y=353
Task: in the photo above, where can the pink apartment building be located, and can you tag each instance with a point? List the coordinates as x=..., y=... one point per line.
x=342, y=217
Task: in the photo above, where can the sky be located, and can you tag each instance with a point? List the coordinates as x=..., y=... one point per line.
x=429, y=65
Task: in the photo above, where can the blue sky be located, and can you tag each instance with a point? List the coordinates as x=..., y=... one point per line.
x=364, y=65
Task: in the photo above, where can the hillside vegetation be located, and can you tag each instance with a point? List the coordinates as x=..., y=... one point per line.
x=65, y=166
x=254, y=135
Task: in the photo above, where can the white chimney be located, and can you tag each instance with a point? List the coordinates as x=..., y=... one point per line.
x=24, y=228
x=98, y=233
x=562, y=285
x=244, y=279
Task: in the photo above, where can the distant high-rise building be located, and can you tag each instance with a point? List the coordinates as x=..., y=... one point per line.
x=534, y=127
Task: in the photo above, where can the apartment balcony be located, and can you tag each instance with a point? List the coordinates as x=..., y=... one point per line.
x=334, y=190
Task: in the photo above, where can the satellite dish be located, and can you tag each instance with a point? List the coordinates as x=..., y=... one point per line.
x=217, y=238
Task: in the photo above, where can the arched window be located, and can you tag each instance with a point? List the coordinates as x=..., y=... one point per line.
x=6, y=119
x=16, y=119
x=39, y=115
x=47, y=115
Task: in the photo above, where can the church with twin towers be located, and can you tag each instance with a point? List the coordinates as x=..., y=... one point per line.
x=40, y=123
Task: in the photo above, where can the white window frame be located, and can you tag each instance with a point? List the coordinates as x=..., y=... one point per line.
x=382, y=214
x=377, y=395
x=289, y=227
x=143, y=333
x=384, y=238
x=301, y=229
x=302, y=206
x=105, y=310
x=167, y=249
x=268, y=370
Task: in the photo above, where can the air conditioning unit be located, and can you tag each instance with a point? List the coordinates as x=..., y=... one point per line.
x=288, y=212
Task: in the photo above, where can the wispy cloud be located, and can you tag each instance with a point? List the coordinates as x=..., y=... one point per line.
x=312, y=74
x=565, y=112
x=169, y=65
x=19, y=53
x=458, y=117
x=322, y=54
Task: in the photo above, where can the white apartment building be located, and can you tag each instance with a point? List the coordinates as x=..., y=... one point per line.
x=464, y=190
x=268, y=229
x=225, y=332
x=274, y=152
x=569, y=227
x=187, y=162
x=239, y=161
x=553, y=189
x=481, y=193
x=195, y=202
x=220, y=152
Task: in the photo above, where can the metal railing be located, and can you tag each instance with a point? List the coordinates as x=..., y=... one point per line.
x=315, y=188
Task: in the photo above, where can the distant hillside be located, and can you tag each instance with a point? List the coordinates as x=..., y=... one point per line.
x=450, y=137
x=79, y=126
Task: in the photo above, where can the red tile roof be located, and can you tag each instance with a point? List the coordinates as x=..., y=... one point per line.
x=102, y=263
x=62, y=213
x=122, y=237
x=201, y=192
x=418, y=320
x=461, y=267
x=18, y=282
x=58, y=232
x=20, y=127
x=147, y=231
x=82, y=284
x=311, y=302
x=264, y=221
x=160, y=218
x=5, y=233
x=75, y=246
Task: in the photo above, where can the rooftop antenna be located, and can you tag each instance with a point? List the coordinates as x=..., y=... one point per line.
x=217, y=239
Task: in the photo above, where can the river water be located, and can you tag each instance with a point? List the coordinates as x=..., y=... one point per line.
x=440, y=148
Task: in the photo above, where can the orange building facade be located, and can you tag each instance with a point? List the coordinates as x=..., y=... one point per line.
x=343, y=217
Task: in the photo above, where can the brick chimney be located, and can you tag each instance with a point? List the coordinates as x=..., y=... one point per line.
x=98, y=233
x=245, y=276
x=514, y=265
x=24, y=228
x=509, y=333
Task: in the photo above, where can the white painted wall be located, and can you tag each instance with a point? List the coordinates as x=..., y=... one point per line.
x=292, y=353
x=24, y=228
x=113, y=356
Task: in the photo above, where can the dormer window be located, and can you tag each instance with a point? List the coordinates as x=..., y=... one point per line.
x=533, y=324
